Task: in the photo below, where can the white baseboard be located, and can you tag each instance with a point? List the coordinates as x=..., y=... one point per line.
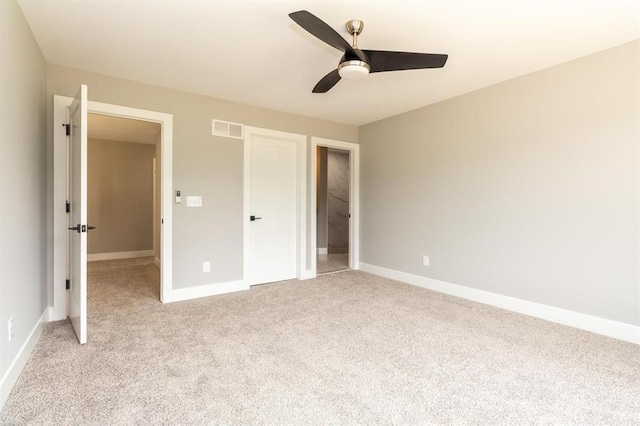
x=157, y=261
x=13, y=373
x=119, y=255
x=206, y=290
x=322, y=250
x=606, y=327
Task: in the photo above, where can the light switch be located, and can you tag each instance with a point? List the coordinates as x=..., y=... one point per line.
x=194, y=201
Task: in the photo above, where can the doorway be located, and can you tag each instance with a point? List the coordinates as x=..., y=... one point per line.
x=122, y=186
x=332, y=209
x=163, y=246
x=335, y=194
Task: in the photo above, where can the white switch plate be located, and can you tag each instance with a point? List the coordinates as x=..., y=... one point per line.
x=193, y=201
x=206, y=266
x=425, y=260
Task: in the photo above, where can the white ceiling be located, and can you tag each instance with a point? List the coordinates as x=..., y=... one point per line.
x=250, y=51
x=122, y=129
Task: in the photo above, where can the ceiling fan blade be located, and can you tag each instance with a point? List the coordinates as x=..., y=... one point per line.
x=327, y=82
x=318, y=28
x=381, y=60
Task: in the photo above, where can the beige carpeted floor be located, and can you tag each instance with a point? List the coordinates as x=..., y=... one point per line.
x=347, y=348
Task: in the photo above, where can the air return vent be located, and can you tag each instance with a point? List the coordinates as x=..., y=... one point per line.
x=227, y=129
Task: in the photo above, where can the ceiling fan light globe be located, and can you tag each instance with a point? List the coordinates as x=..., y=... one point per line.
x=353, y=70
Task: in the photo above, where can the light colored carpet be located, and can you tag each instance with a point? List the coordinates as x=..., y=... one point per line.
x=347, y=348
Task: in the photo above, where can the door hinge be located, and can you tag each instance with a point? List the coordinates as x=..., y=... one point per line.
x=68, y=282
x=68, y=207
x=67, y=128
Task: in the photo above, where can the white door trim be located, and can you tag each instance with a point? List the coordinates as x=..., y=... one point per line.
x=354, y=199
x=154, y=198
x=301, y=250
x=59, y=272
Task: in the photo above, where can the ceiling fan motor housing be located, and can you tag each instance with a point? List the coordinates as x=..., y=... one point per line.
x=352, y=68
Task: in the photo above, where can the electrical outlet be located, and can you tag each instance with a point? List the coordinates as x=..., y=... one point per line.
x=425, y=260
x=206, y=266
x=10, y=329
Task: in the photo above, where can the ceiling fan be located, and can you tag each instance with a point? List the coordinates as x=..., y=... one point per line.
x=355, y=63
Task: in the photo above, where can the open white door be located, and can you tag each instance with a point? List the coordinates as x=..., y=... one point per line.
x=78, y=200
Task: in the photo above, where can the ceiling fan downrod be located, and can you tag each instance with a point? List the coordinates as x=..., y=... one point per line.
x=355, y=27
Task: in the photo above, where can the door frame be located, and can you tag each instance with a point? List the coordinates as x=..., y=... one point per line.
x=58, y=300
x=301, y=249
x=154, y=197
x=354, y=199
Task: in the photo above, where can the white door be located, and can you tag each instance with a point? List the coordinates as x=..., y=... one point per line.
x=78, y=200
x=273, y=209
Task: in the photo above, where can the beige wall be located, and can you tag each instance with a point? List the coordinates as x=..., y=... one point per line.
x=23, y=195
x=202, y=165
x=529, y=188
x=120, y=196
